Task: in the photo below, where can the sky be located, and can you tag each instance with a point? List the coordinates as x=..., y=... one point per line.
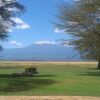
x=35, y=25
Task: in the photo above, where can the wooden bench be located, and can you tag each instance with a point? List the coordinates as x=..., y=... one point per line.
x=27, y=72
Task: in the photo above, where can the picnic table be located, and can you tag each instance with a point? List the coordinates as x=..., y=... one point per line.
x=27, y=72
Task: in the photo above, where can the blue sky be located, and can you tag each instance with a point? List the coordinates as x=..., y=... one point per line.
x=35, y=25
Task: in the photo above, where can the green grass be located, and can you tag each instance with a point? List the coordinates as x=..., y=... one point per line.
x=53, y=79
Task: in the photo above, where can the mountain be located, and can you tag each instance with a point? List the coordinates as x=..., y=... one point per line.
x=45, y=52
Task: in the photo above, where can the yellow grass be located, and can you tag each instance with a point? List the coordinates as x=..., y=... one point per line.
x=35, y=63
x=43, y=62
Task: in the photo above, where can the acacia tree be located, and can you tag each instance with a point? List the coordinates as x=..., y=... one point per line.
x=82, y=20
x=9, y=9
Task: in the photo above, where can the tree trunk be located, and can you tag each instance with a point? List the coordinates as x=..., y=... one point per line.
x=99, y=64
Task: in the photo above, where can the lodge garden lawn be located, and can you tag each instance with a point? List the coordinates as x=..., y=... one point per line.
x=76, y=79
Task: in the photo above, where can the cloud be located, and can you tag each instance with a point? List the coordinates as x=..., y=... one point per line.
x=24, y=26
x=76, y=0
x=12, y=9
x=9, y=30
x=19, y=44
x=66, y=43
x=21, y=24
x=72, y=0
x=71, y=23
x=58, y=30
x=45, y=42
x=15, y=43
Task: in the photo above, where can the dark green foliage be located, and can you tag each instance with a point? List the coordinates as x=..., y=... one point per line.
x=8, y=10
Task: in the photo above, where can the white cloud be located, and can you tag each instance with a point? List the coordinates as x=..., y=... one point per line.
x=45, y=42
x=19, y=44
x=12, y=9
x=72, y=0
x=15, y=43
x=76, y=0
x=21, y=24
x=10, y=30
x=66, y=43
x=71, y=23
x=24, y=26
x=58, y=30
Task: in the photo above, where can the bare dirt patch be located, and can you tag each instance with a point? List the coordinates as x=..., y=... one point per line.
x=48, y=98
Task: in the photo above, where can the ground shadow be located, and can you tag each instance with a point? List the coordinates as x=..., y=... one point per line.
x=8, y=83
x=44, y=75
x=12, y=76
x=92, y=73
x=92, y=68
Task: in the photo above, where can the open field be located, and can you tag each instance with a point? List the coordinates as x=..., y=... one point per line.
x=41, y=62
x=70, y=79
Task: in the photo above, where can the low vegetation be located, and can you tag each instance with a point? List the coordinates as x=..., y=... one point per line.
x=52, y=79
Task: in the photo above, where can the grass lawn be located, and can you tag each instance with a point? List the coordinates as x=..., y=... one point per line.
x=53, y=79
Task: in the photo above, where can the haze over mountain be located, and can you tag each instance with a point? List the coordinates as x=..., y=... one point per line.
x=38, y=52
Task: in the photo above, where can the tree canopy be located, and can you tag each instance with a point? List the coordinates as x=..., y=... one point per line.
x=82, y=20
x=9, y=9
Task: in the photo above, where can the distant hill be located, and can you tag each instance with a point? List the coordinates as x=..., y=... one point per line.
x=45, y=52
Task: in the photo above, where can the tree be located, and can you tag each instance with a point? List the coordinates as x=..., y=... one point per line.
x=9, y=9
x=82, y=21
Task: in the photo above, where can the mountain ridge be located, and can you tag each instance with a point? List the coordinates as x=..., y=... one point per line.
x=44, y=52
